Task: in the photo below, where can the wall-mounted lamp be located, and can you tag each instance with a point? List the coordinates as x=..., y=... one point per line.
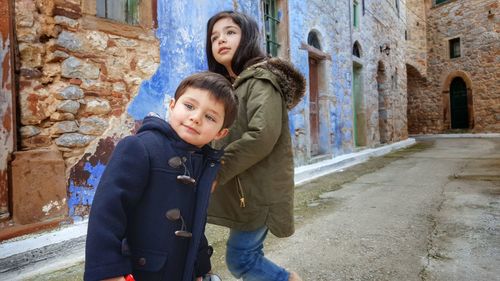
x=384, y=48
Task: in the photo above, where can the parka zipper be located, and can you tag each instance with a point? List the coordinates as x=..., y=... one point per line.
x=241, y=194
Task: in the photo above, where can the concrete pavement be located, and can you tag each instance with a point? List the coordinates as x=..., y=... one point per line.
x=431, y=214
x=24, y=259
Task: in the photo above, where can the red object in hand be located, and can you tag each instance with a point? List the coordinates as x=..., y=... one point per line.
x=129, y=277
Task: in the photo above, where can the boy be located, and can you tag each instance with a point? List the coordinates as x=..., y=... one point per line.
x=149, y=211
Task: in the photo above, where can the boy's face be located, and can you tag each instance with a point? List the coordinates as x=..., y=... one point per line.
x=197, y=117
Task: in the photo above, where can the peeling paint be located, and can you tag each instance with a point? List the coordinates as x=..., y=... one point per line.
x=182, y=52
x=182, y=49
x=53, y=204
x=182, y=45
x=85, y=176
x=6, y=109
x=6, y=126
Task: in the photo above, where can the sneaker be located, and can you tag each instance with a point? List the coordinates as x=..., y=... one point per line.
x=211, y=277
x=294, y=276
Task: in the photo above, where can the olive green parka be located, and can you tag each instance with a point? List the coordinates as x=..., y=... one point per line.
x=255, y=183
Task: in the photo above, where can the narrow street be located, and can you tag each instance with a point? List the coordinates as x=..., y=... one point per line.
x=428, y=212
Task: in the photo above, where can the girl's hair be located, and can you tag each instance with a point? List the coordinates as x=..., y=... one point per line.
x=249, y=50
x=218, y=86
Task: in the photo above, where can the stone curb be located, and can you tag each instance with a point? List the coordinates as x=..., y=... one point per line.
x=307, y=173
x=31, y=255
x=485, y=135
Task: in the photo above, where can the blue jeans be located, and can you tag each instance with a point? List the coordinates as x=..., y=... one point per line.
x=245, y=257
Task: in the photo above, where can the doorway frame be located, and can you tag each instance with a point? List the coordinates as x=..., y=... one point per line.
x=445, y=96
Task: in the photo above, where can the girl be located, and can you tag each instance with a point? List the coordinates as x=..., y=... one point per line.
x=255, y=192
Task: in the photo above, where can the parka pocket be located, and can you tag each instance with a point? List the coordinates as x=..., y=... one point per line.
x=146, y=260
x=241, y=192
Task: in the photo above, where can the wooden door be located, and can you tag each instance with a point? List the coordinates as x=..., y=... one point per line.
x=357, y=96
x=458, y=104
x=313, y=106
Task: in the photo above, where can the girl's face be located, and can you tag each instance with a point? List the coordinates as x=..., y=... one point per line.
x=225, y=38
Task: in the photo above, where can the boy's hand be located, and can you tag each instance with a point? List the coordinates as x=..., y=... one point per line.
x=120, y=278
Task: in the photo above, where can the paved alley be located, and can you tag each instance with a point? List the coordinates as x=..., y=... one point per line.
x=428, y=212
x=431, y=212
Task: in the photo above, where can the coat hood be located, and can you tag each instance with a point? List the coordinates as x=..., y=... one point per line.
x=153, y=122
x=287, y=79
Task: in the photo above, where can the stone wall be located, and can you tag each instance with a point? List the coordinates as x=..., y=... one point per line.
x=330, y=22
x=416, y=36
x=476, y=23
x=76, y=77
x=383, y=74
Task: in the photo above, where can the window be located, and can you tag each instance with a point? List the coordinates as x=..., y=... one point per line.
x=363, y=6
x=313, y=40
x=437, y=2
x=396, y=2
x=271, y=21
x=356, y=50
x=355, y=14
x=119, y=10
x=454, y=48
x=109, y=14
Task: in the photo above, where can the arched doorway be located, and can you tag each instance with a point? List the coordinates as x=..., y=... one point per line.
x=458, y=104
x=314, y=82
x=418, y=118
x=314, y=105
x=359, y=114
x=359, y=122
x=320, y=129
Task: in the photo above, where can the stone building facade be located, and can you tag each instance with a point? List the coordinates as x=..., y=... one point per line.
x=76, y=73
x=378, y=72
x=458, y=88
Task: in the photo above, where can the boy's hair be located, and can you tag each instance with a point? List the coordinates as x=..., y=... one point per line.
x=218, y=86
x=249, y=50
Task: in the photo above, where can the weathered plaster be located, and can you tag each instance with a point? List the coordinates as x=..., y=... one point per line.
x=85, y=176
x=182, y=49
x=181, y=36
x=331, y=22
x=6, y=126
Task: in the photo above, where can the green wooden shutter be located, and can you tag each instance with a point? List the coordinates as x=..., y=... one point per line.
x=271, y=22
x=125, y=11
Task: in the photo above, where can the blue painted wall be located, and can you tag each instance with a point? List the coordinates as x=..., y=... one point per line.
x=330, y=20
x=181, y=32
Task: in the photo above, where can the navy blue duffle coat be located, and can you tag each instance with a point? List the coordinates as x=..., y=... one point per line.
x=128, y=229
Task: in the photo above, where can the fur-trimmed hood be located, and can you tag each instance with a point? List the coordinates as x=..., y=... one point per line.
x=287, y=79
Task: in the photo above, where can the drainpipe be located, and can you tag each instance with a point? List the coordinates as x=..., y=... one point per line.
x=350, y=70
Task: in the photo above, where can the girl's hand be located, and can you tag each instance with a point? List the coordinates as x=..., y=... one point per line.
x=120, y=278
x=214, y=185
x=199, y=278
